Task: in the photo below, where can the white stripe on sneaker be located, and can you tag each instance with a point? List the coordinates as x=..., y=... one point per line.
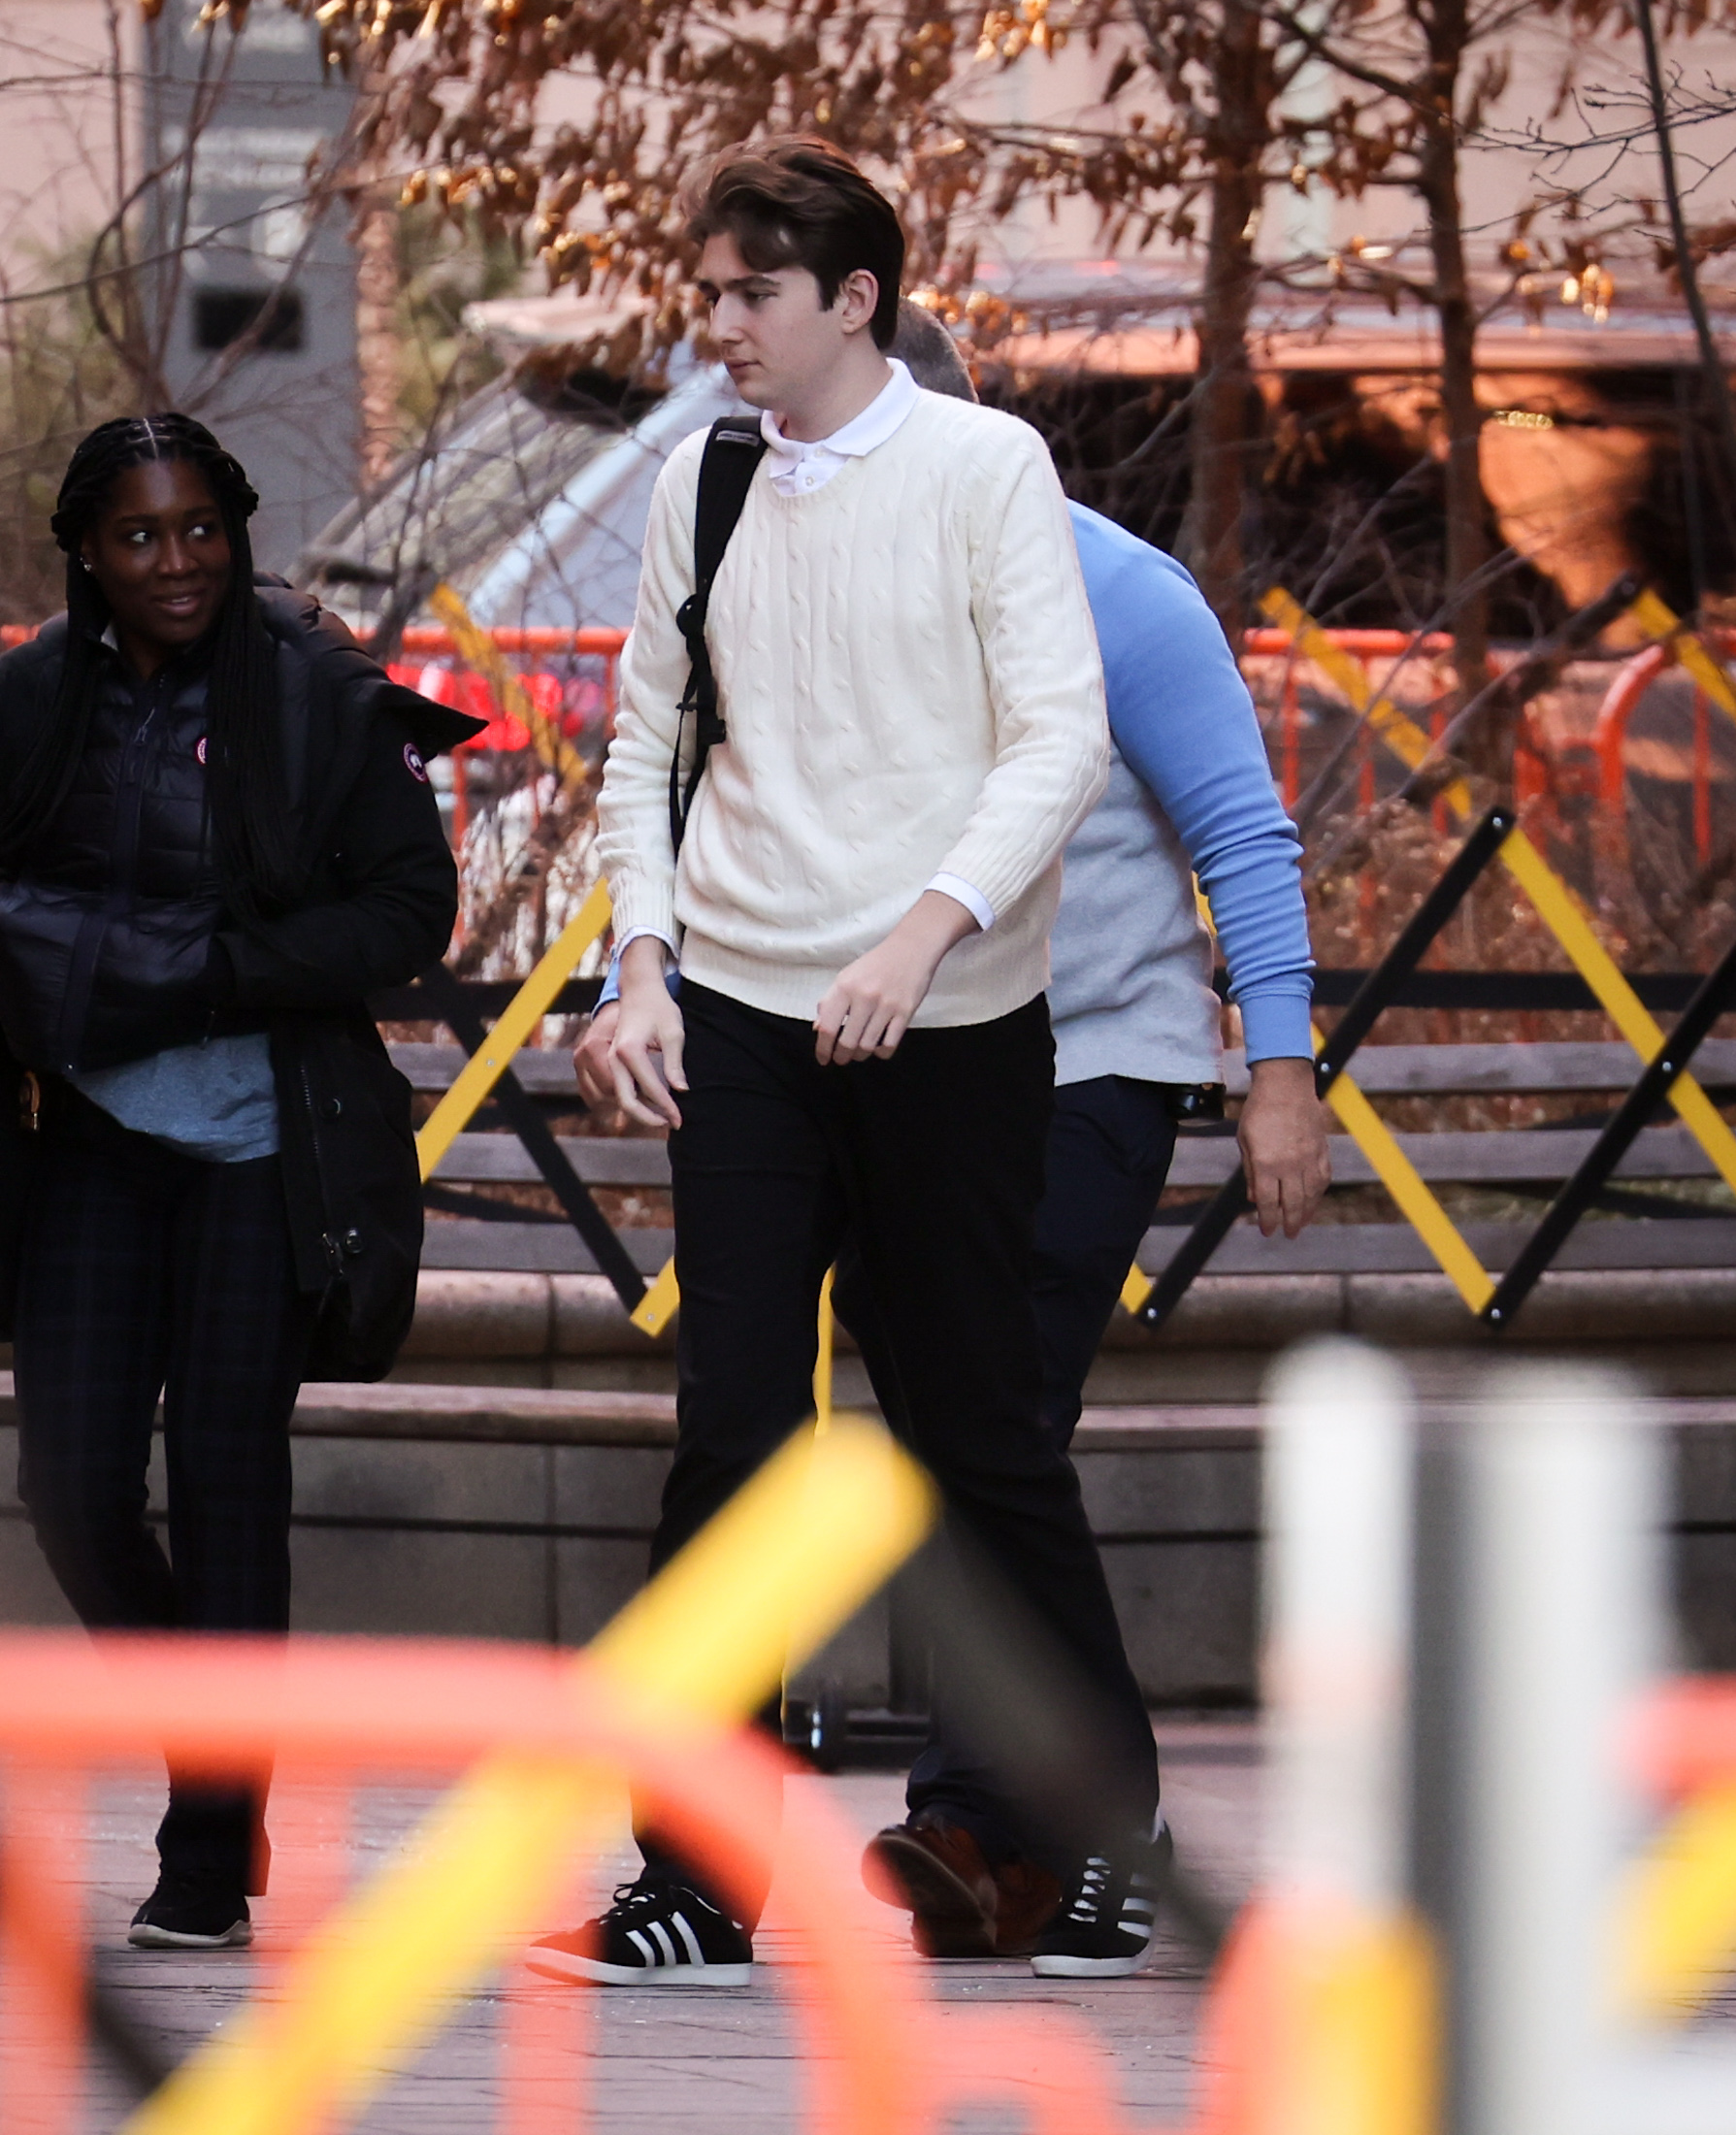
x=663, y=1944
x=678, y=1921
x=643, y=1947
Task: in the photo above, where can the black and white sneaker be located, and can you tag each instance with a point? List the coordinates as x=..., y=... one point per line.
x=191, y=1913
x=1108, y=1916
x=657, y=1934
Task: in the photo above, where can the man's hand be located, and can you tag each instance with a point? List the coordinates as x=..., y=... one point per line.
x=593, y=1060
x=1283, y=1140
x=645, y=1057
x=869, y=1005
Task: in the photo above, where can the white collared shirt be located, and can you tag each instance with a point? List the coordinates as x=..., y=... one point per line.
x=800, y=466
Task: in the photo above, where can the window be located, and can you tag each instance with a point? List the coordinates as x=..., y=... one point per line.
x=221, y=316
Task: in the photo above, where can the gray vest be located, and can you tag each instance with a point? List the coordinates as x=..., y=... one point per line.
x=1132, y=961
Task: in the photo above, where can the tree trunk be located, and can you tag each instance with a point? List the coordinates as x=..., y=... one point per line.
x=1712, y=363
x=377, y=336
x=1223, y=433
x=1490, y=750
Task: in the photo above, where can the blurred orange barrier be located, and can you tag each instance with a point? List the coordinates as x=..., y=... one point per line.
x=1679, y=1925
x=1684, y=1737
x=1297, y=2014
x=1318, y=2021
x=1323, y=2023
x=880, y=2059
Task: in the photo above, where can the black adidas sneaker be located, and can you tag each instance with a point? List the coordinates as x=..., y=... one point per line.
x=1109, y=1915
x=657, y=1934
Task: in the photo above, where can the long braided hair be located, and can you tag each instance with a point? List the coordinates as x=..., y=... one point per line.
x=244, y=772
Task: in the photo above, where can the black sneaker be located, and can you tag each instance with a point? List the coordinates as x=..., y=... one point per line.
x=1109, y=1915
x=657, y=1934
x=191, y=1913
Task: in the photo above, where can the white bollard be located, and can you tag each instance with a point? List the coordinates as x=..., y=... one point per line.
x=1562, y=1617
x=1338, y=1515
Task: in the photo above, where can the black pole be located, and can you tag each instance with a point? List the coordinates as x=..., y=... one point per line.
x=1213, y=1224
x=1414, y=942
x=1612, y=1144
x=532, y=1131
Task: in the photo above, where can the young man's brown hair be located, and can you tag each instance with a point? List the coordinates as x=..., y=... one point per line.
x=802, y=203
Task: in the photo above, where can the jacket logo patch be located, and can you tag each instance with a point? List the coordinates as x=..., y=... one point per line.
x=199, y=752
x=417, y=769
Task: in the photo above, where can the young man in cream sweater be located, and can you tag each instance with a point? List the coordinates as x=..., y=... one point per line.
x=908, y=669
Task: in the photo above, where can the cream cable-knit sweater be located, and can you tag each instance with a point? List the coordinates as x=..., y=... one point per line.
x=906, y=665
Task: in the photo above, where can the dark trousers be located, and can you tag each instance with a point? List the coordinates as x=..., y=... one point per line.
x=932, y=1163
x=146, y=1273
x=1110, y=1145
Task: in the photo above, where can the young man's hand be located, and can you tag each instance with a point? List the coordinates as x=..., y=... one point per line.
x=869, y=1005
x=593, y=1060
x=645, y=1057
x=1283, y=1140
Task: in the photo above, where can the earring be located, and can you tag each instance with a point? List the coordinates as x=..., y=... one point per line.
x=85, y=562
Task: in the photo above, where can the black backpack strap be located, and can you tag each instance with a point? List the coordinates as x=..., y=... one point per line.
x=732, y=452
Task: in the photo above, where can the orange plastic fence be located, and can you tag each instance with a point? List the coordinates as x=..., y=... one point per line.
x=880, y=2059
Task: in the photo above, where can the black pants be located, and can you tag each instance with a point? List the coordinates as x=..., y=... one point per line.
x=933, y=1164
x=1110, y=1145
x=148, y=1273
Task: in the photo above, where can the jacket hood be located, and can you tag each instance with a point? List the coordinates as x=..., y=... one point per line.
x=297, y=618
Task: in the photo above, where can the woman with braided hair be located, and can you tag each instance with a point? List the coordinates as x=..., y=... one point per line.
x=216, y=838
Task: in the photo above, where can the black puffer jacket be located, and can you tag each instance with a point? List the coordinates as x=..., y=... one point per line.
x=114, y=944
x=104, y=944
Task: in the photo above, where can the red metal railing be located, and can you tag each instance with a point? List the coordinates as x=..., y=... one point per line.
x=523, y=643
x=1621, y=701
x=429, y=662
x=1610, y=741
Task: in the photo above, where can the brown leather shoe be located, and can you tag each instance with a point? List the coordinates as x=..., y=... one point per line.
x=1027, y=1899
x=936, y=1872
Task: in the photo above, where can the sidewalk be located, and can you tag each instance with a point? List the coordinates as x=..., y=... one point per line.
x=698, y=2060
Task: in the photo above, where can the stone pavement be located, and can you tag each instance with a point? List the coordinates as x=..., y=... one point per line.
x=720, y=2059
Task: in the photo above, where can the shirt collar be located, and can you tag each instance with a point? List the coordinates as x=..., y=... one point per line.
x=883, y=415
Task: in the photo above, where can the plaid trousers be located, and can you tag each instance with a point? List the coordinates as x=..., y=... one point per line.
x=145, y=1273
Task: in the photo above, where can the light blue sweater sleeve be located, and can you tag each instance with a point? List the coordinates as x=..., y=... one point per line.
x=1182, y=716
